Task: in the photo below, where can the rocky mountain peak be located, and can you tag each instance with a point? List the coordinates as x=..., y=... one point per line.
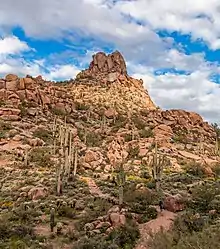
x=105, y=66
x=103, y=63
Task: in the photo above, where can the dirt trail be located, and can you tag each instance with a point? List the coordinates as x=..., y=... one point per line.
x=164, y=221
x=95, y=190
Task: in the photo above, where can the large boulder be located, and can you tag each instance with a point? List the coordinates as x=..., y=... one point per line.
x=12, y=85
x=174, y=203
x=37, y=193
x=11, y=77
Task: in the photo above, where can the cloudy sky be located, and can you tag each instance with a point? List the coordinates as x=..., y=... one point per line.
x=174, y=46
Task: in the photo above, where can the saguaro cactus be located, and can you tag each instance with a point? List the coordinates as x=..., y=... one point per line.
x=157, y=163
x=121, y=180
x=52, y=219
x=217, y=147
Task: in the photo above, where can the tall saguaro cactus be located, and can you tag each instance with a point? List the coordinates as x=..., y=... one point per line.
x=67, y=155
x=121, y=180
x=157, y=163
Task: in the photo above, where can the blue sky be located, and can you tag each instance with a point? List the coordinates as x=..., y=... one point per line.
x=174, y=46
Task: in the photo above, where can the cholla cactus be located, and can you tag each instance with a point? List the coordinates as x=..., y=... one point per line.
x=121, y=180
x=157, y=163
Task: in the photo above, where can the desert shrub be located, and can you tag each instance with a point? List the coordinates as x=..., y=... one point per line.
x=23, y=216
x=149, y=214
x=151, y=184
x=133, y=152
x=181, y=137
x=65, y=211
x=23, y=110
x=58, y=111
x=119, y=122
x=43, y=134
x=139, y=123
x=93, y=139
x=95, y=208
x=41, y=157
x=2, y=103
x=128, y=137
x=207, y=238
x=96, y=242
x=216, y=170
x=4, y=128
x=195, y=169
x=81, y=106
x=203, y=196
x=5, y=231
x=2, y=134
x=9, y=230
x=138, y=200
x=125, y=236
x=146, y=133
x=145, y=174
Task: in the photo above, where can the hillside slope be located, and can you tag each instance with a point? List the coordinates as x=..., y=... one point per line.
x=55, y=134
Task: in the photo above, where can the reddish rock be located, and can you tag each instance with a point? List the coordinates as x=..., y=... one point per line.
x=21, y=94
x=29, y=83
x=37, y=193
x=103, y=63
x=11, y=77
x=117, y=219
x=61, y=107
x=110, y=113
x=31, y=96
x=35, y=142
x=2, y=94
x=12, y=85
x=112, y=77
x=21, y=85
x=2, y=84
x=10, y=117
x=13, y=96
x=174, y=203
x=195, y=118
x=44, y=98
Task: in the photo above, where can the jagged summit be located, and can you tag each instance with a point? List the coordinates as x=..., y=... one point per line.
x=108, y=63
x=103, y=64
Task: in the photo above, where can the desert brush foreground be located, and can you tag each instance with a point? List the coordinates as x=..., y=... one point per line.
x=84, y=164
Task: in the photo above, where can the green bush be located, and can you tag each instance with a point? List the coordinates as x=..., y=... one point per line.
x=43, y=134
x=207, y=238
x=149, y=214
x=4, y=128
x=41, y=157
x=58, y=112
x=128, y=137
x=93, y=139
x=195, y=169
x=125, y=236
x=146, y=133
x=138, y=200
x=203, y=196
x=139, y=123
x=133, y=152
x=81, y=106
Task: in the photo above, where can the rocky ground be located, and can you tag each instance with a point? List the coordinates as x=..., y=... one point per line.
x=61, y=148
